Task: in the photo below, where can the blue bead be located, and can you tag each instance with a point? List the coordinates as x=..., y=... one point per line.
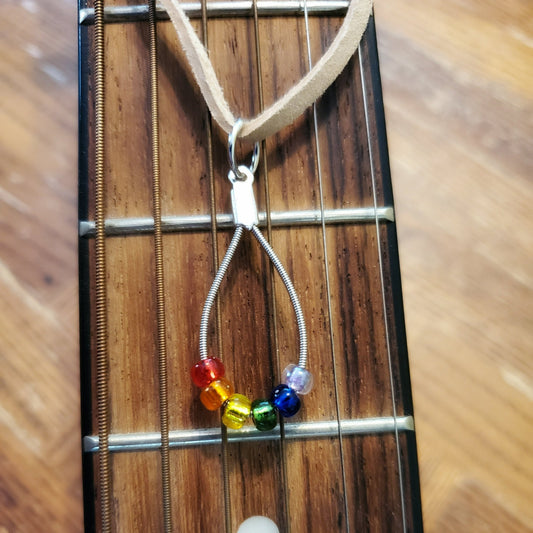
x=285, y=400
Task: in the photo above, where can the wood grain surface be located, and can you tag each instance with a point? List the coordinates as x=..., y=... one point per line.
x=457, y=87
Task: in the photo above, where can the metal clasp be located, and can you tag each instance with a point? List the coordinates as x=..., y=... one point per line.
x=243, y=199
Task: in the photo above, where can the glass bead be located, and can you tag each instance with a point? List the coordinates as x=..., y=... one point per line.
x=285, y=400
x=216, y=393
x=298, y=379
x=236, y=411
x=264, y=415
x=207, y=370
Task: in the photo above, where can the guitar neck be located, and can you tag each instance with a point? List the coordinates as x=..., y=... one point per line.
x=347, y=461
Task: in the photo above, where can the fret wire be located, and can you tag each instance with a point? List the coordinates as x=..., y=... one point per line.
x=159, y=270
x=135, y=13
x=272, y=273
x=383, y=295
x=182, y=438
x=102, y=363
x=326, y=273
x=224, y=221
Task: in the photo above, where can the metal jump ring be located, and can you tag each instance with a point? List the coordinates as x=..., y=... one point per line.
x=231, y=152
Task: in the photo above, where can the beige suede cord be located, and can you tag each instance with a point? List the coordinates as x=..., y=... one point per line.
x=294, y=102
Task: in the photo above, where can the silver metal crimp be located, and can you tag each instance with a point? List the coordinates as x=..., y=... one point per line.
x=243, y=199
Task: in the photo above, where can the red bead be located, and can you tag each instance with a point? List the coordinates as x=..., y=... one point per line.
x=207, y=370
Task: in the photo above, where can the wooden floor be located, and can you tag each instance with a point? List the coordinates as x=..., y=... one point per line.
x=458, y=88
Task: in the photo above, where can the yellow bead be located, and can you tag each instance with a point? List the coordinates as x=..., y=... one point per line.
x=236, y=411
x=216, y=393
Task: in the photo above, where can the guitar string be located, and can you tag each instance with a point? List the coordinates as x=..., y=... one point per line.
x=159, y=273
x=326, y=273
x=273, y=301
x=215, y=261
x=212, y=189
x=102, y=365
x=382, y=284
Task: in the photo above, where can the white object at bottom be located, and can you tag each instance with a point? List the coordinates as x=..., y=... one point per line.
x=258, y=524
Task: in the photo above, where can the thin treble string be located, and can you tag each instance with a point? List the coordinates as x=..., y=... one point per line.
x=273, y=300
x=218, y=317
x=212, y=192
x=264, y=163
x=383, y=296
x=326, y=270
x=266, y=181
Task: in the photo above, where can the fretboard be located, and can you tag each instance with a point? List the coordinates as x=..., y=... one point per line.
x=347, y=461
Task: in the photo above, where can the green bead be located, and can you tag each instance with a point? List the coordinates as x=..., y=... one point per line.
x=236, y=411
x=264, y=415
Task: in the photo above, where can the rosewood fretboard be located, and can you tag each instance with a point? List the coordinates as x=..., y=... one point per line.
x=347, y=461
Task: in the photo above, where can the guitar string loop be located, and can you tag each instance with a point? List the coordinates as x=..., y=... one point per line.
x=245, y=217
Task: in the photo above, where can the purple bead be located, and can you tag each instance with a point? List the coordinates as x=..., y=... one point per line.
x=285, y=400
x=298, y=379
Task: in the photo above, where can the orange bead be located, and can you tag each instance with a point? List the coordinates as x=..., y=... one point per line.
x=216, y=393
